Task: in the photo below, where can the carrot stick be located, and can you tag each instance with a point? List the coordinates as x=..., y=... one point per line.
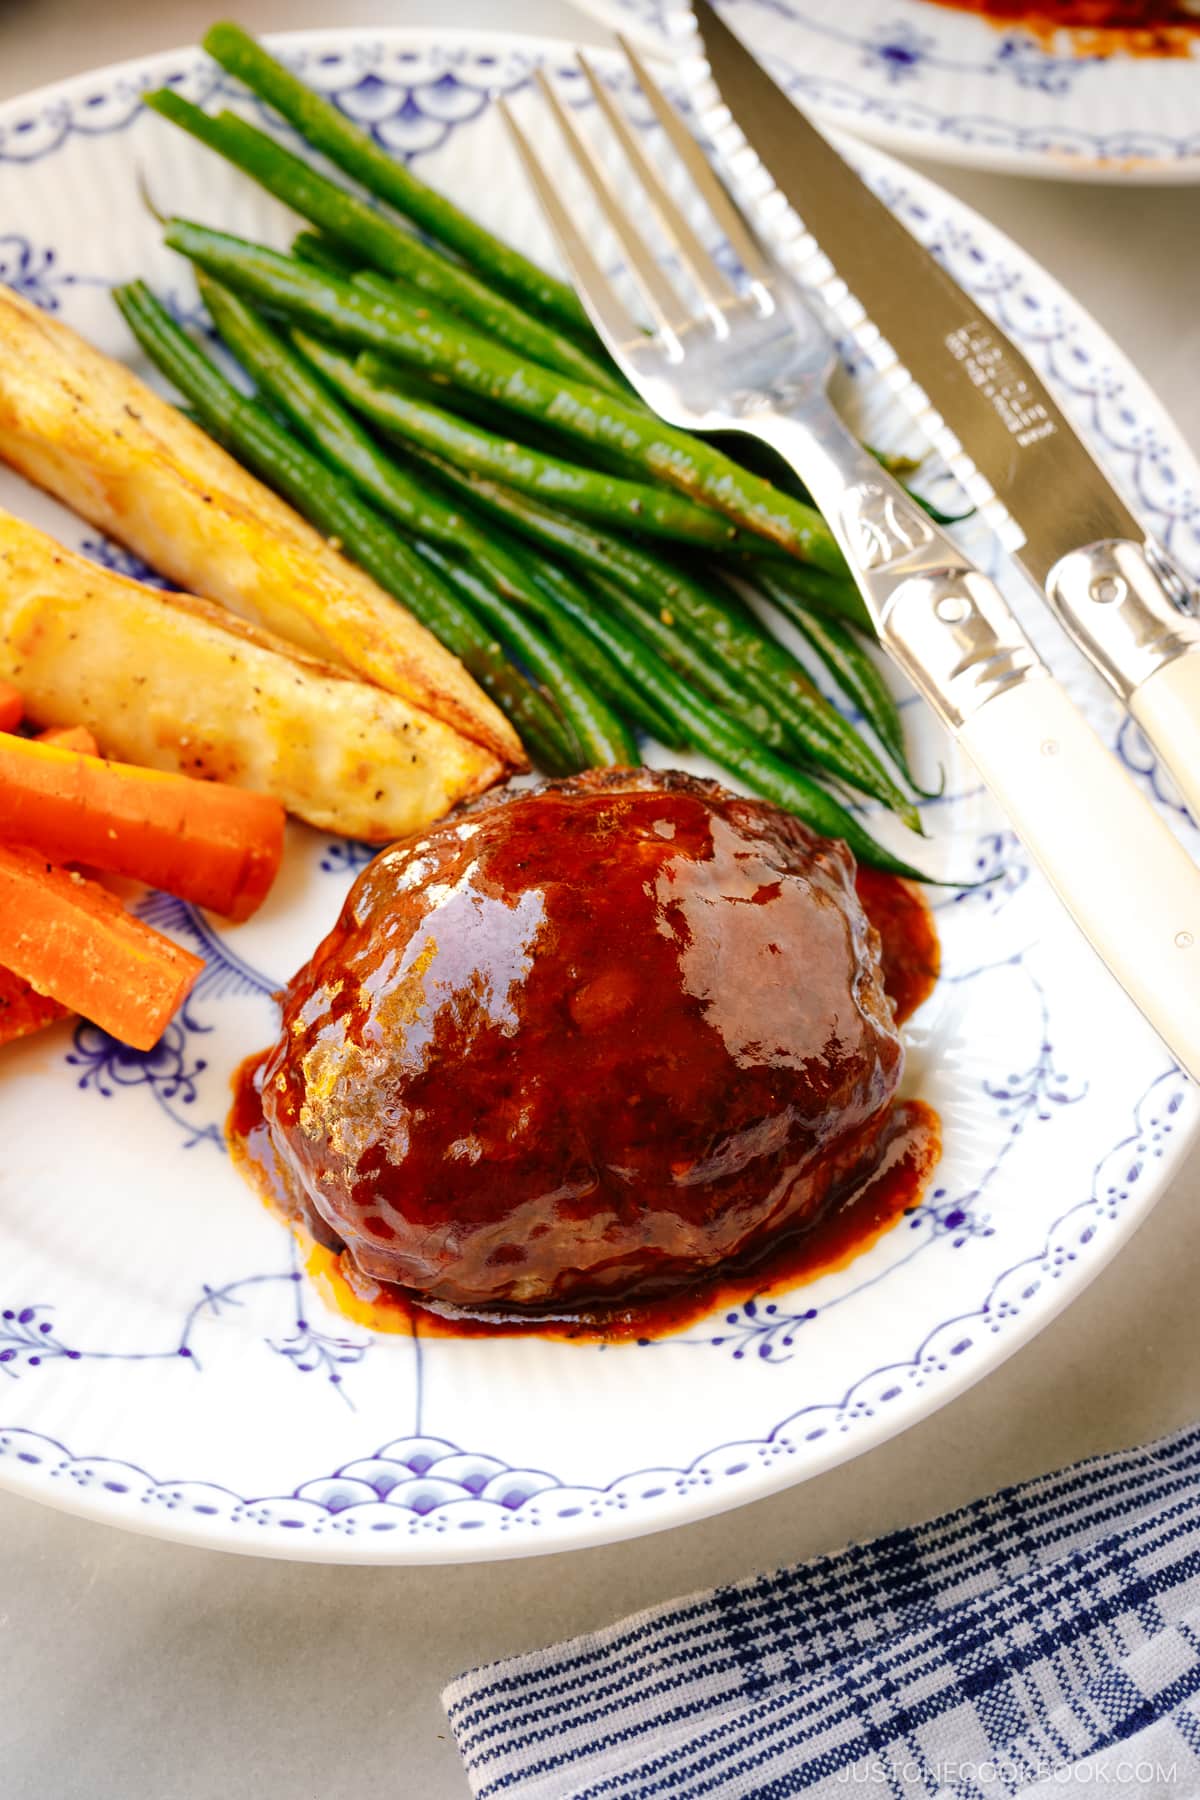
x=23, y=1010
x=217, y=845
x=12, y=706
x=69, y=737
x=73, y=941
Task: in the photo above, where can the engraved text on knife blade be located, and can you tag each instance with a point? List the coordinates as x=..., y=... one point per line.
x=989, y=367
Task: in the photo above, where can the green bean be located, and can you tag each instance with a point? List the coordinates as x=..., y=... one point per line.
x=851, y=666
x=541, y=432
x=323, y=253
x=691, y=659
x=474, y=406
x=345, y=144
x=432, y=390
x=248, y=430
x=286, y=371
x=378, y=240
x=761, y=459
x=315, y=248
x=711, y=613
x=255, y=438
x=300, y=377
x=409, y=409
x=580, y=603
x=392, y=485
x=488, y=413
x=729, y=743
x=717, y=625
x=802, y=721
x=606, y=499
x=566, y=605
x=659, y=450
x=346, y=382
x=833, y=596
x=281, y=372
x=603, y=737
x=657, y=585
x=707, y=673
x=604, y=627
x=697, y=663
x=764, y=461
x=407, y=332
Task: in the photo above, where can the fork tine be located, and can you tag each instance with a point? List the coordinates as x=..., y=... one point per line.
x=723, y=209
x=611, y=318
x=664, y=302
x=704, y=269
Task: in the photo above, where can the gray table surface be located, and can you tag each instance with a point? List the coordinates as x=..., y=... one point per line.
x=138, y=1669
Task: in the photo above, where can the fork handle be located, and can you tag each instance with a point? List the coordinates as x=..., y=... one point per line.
x=1114, y=863
x=1167, y=707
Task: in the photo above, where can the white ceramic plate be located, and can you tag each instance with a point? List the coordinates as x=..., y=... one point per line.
x=163, y=1364
x=927, y=80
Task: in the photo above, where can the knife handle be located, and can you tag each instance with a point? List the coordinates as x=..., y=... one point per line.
x=1167, y=707
x=1121, y=602
x=1114, y=864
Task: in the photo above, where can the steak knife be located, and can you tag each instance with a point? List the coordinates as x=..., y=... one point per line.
x=1110, y=585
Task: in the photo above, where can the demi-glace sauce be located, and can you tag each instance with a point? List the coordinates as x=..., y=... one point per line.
x=1097, y=27
x=852, y=1225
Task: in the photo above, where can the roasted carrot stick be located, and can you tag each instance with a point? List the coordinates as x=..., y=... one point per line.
x=217, y=845
x=12, y=706
x=23, y=1010
x=69, y=737
x=73, y=940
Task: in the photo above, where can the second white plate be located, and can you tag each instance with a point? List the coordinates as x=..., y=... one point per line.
x=928, y=80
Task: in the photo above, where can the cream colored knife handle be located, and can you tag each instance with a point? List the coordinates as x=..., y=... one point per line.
x=1110, y=858
x=1167, y=707
x=1123, y=603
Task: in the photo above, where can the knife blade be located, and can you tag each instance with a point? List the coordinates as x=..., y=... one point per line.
x=1107, y=581
x=982, y=387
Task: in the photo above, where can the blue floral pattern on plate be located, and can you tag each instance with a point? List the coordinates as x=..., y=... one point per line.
x=927, y=80
x=424, y=1489
x=423, y=1447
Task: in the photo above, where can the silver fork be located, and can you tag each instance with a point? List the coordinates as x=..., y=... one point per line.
x=756, y=358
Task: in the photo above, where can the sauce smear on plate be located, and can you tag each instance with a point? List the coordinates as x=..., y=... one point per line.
x=1097, y=27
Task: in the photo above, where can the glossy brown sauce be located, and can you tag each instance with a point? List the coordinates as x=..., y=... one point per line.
x=911, y=954
x=1096, y=27
x=856, y=1221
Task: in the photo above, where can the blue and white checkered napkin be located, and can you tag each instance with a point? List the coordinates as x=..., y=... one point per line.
x=1045, y=1638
